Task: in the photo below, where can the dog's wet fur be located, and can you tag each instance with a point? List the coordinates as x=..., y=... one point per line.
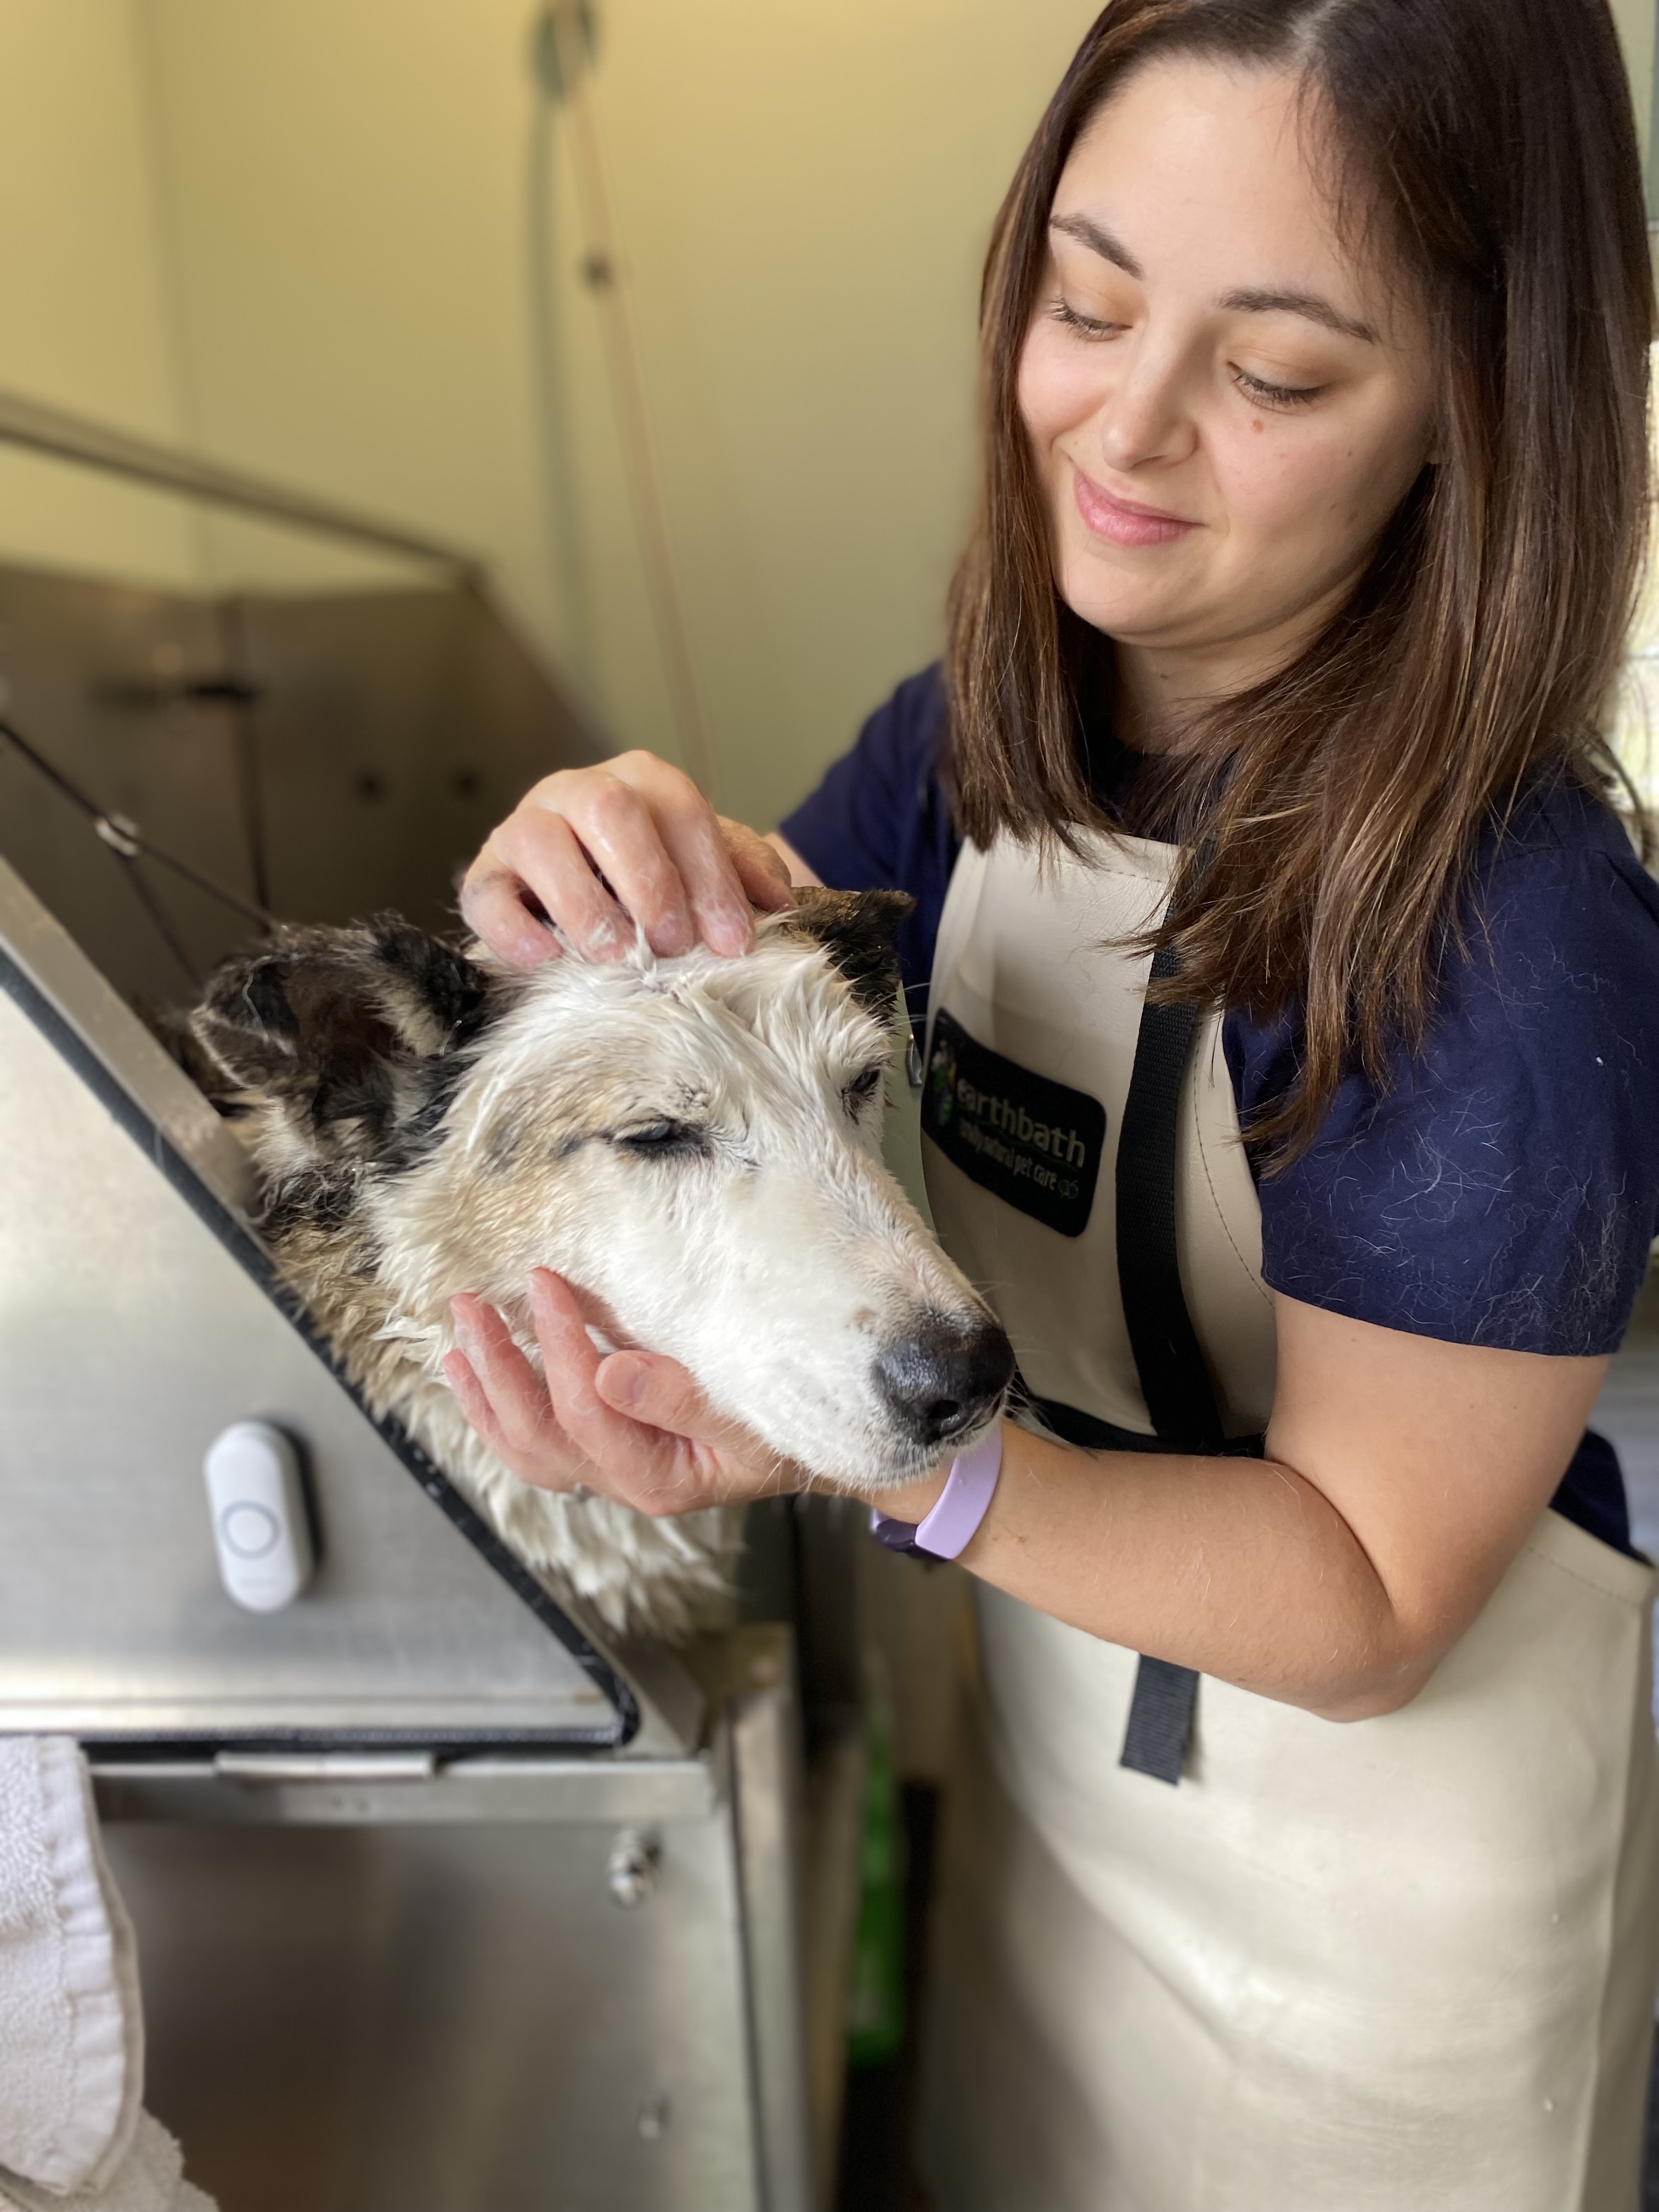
x=693, y=1143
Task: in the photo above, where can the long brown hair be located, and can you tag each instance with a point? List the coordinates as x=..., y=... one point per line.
x=1338, y=806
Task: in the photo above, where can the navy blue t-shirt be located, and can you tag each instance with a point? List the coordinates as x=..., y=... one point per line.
x=1504, y=1189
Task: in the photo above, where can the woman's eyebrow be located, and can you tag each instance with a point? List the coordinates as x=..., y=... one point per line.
x=1099, y=240
x=1250, y=301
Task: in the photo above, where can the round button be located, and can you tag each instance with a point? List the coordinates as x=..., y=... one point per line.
x=250, y=1531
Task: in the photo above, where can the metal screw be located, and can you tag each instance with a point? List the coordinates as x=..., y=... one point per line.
x=630, y=1872
x=654, y=2119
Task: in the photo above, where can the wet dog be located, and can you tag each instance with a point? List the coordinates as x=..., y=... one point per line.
x=693, y=1143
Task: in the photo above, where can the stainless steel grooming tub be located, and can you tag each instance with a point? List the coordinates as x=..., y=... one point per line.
x=447, y=1900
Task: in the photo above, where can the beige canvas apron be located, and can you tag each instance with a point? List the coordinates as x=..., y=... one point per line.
x=1405, y=1964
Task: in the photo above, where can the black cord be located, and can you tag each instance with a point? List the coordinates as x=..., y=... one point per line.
x=263, y=916
x=128, y=843
x=159, y=917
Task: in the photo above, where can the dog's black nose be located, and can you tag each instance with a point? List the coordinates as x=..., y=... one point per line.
x=942, y=1378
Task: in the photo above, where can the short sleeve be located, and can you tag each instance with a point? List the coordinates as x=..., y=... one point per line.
x=879, y=821
x=1505, y=1191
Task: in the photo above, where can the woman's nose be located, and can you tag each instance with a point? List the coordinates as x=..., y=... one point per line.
x=1145, y=416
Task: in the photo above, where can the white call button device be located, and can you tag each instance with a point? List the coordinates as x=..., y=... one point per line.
x=259, y=1527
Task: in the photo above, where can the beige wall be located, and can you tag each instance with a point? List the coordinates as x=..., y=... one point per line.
x=85, y=318
x=803, y=193
x=1635, y=20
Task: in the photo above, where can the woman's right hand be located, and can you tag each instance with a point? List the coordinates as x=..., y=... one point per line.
x=670, y=865
x=630, y=1425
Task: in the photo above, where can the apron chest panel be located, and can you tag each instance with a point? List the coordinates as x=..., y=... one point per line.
x=1029, y=965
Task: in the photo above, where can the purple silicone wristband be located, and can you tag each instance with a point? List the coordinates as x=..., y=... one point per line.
x=963, y=1503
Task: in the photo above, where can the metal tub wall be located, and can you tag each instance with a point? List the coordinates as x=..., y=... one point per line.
x=364, y=2019
x=136, y=1322
x=326, y=757
x=479, y=1991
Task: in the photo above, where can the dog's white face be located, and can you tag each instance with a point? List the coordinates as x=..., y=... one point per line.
x=693, y=1143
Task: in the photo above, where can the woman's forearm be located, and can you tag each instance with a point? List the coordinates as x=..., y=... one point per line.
x=1240, y=1568
x=1405, y=1475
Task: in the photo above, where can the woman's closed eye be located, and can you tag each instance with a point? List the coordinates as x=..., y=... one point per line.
x=1260, y=390
x=1265, y=394
x=1087, y=326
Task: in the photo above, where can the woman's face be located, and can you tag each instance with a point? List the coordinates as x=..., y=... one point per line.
x=1224, y=406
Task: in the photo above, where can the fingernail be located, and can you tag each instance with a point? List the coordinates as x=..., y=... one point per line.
x=728, y=929
x=464, y=1324
x=625, y=1379
x=675, y=934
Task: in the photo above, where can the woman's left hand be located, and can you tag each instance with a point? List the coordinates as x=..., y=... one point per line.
x=630, y=1425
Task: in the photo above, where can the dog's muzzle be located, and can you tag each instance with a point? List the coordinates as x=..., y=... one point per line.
x=941, y=1380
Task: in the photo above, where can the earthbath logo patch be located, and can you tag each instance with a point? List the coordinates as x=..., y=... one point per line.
x=1034, y=1142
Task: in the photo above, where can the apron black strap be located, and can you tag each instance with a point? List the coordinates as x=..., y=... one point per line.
x=1174, y=1379
x=1161, y=1710
x=1160, y=1731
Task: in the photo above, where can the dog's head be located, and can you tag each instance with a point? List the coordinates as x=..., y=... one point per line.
x=694, y=1142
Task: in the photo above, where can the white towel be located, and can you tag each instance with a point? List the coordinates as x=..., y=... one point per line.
x=71, y=2026
x=150, y=2179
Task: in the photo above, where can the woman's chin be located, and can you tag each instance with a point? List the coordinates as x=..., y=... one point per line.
x=1146, y=596
x=1141, y=618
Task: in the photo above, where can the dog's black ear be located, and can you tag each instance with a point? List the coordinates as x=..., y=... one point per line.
x=859, y=930
x=353, y=1031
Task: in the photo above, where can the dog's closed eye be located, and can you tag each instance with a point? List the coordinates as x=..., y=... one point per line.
x=863, y=1088
x=662, y=1139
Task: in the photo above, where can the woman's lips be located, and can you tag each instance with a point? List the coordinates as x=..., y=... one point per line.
x=1123, y=520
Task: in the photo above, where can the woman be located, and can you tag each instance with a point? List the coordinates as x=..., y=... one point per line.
x=1314, y=346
